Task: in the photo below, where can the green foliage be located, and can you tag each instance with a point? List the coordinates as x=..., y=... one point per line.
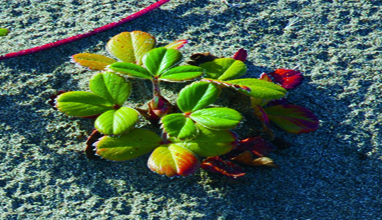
x=191, y=100
x=128, y=146
x=209, y=143
x=160, y=64
x=259, y=88
x=130, y=47
x=116, y=121
x=114, y=88
x=197, y=95
x=82, y=104
x=190, y=130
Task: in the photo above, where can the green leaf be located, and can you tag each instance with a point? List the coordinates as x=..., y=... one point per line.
x=173, y=160
x=217, y=118
x=116, y=121
x=178, y=125
x=82, y=104
x=292, y=118
x=4, y=32
x=197, y=96
x=210, y=143
x=130, y=69
x=114, y=88
x=224, y=68
x=161, y=59
x=127, y=146
x=131, y=46
x=182, y=73
x=93, y=61
x=259, y=88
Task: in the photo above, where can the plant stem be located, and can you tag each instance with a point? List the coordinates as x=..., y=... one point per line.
x=88, y=34
x=156, y=89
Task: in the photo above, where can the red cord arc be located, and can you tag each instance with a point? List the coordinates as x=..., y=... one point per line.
x=88, y=34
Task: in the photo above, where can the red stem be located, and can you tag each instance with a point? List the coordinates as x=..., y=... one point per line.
x=88, y=34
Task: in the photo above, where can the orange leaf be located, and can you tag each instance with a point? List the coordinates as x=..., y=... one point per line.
x=92, y=61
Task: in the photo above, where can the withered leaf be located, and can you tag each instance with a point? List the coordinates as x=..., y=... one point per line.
x=225, y=167
x=247, y=158
x=199, y=58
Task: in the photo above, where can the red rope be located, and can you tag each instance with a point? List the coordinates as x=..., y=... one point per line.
x=88, y=34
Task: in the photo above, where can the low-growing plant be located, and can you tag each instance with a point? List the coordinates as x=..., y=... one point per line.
x=3, y=32
x=190, y=129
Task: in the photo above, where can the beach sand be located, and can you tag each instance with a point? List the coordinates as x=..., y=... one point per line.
x=333, y=173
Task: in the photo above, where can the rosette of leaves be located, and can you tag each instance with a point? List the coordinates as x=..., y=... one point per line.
x=159, y=64
x=109, y=91
x=129, y=47
x=222, y=71
x=192, y=101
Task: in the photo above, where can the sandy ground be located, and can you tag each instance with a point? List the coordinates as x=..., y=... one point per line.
x=333, y=173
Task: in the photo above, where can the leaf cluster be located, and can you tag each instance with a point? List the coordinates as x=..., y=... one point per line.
x=191, y=130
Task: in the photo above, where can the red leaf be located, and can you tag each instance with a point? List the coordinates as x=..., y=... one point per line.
x=292, y=118
x=241, y=55
x=225, y=167
x=159, y=107
x=288, y=79
x=257, y=145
